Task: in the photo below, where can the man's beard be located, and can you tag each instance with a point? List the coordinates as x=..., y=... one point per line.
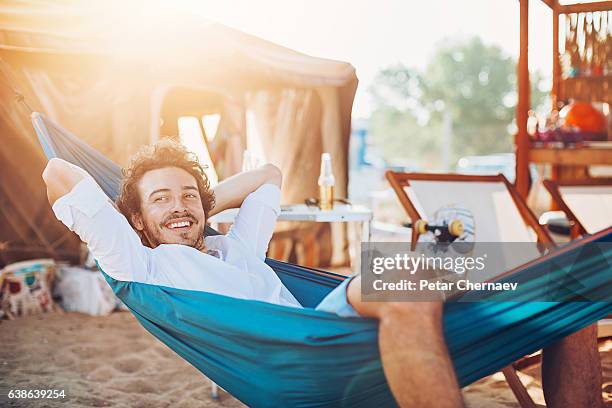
x=154, y=233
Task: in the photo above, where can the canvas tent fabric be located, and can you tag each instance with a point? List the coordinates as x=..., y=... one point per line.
x=121, y=73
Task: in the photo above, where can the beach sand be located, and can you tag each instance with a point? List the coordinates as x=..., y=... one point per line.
x=113, y=361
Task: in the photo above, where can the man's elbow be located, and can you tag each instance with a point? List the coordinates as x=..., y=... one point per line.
x=60, y=177
x=273, y=174
x=53, y=170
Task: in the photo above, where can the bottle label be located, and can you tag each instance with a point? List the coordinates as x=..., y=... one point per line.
x=326, y=197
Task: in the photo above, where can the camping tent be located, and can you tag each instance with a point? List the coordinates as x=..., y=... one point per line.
x=119, y=74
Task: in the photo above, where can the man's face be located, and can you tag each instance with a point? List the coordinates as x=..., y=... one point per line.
x=171, y=209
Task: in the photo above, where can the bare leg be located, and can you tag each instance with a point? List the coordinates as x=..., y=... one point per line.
x=571, y=371
x=414, y=356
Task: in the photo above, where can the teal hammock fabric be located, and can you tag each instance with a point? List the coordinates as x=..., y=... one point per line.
x=270, y=355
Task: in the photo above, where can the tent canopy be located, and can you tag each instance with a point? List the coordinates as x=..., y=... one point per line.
x=121, y=74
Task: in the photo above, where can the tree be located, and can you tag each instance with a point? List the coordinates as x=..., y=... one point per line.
x=473, y=82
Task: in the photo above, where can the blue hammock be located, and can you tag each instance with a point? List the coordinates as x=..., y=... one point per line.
x=270, y=355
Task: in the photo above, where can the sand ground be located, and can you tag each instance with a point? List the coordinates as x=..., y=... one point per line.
x=113, y=362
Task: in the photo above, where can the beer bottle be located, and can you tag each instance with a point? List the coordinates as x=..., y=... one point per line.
x=326, y=183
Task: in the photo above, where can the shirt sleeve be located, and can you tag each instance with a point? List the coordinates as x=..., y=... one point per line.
x=254, y=224
x=111, y=240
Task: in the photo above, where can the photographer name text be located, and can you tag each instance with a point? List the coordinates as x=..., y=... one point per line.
x=426, y=285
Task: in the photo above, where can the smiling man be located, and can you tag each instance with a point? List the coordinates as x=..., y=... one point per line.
x=156, y=236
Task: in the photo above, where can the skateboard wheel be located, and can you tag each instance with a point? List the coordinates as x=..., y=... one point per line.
x=455, y=228
x=421, y=226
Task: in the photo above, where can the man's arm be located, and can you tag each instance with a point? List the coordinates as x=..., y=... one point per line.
x=231, y=192
x=257, y=193
x=61, y=177
x=82, y=206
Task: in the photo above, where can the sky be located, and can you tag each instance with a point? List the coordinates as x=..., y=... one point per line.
x=372, y=35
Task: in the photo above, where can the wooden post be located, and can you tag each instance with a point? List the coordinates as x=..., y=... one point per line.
x=522, y=109
x=555, y=96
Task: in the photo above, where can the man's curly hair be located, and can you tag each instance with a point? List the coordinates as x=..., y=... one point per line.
x=165, y=153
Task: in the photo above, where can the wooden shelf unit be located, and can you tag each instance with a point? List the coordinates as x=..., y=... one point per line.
x=578, y=156
x=566, y=162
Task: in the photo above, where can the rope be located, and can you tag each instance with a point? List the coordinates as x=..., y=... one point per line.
x=19, y=97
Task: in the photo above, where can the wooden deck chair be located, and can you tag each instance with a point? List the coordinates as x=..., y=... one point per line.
x=587, y=205
x=500, y=215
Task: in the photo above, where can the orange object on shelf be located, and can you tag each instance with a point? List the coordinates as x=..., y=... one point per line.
x=583, y=116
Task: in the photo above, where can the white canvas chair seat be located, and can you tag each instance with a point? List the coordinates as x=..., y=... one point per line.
x=591, y=204
x=586, y=203
x=495, y=214
x=490, y=200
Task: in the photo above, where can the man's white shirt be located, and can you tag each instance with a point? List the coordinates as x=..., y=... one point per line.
x=241, y=272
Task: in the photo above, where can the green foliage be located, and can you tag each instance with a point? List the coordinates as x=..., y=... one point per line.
x=472, y=82
x=402, y=140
